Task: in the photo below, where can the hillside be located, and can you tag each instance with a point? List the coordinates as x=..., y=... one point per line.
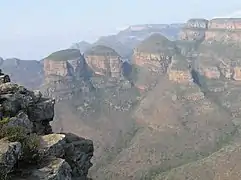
x=223, y=164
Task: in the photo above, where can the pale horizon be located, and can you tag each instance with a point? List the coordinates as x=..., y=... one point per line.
x=31, y=30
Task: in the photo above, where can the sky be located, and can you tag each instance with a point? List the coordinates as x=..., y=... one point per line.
x=32, y=29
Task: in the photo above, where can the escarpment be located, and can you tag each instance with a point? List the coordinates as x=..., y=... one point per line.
x=28, y=147
x=222, y=30
x=64, y=63
x=104, y=61
x=194, y=30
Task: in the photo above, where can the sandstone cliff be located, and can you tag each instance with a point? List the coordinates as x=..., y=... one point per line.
x=152, y=56
x=28, y=147
x=227, y=30
x=104, y=61
x=194, y=30
x=222, y=30
x=64, y=63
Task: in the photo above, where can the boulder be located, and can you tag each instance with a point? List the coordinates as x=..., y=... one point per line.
x=10, y=152
x=51, y=169
x=52, y=145
x=42, y=111
x=4, y=79
x=78, y=153
x=21, y=120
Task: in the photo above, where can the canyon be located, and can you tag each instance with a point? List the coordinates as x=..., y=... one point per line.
x=169, y=112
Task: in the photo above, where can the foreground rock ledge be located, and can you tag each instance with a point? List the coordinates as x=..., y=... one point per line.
x=26, y=137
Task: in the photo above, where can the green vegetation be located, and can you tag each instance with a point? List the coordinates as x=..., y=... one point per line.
x=30, y=142
x=64, y=55
x=101, y=50
x=157, y=43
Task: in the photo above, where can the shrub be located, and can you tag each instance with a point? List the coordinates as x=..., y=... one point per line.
x=30, y=142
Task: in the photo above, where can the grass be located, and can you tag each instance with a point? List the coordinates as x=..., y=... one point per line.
x=157, y=43
x=64, y=55
x=100, y=50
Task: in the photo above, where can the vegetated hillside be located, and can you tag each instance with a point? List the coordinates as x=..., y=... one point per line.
x=223, y=164
x=116, y=44
x=64, y=55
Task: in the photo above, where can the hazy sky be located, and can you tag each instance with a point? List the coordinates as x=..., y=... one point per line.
x=31, y=29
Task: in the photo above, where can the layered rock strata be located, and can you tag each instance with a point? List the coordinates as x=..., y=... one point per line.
x=152, y=57
x=104, y=61
x=223, y=30
x=64, y=63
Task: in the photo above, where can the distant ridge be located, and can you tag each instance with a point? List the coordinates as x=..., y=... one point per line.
x=236, y=14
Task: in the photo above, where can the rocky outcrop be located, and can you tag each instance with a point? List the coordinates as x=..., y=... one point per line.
x=28, y=147
x=152, y=56
x=104, y=61
x=64, y=63
x=194, y=30
x=227, y=30
x=222, y=30
x=179, y=71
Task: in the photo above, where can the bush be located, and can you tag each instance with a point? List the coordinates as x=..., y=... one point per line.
x=30, y=142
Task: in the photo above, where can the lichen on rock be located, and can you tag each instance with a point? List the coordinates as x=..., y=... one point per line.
x=28, y=147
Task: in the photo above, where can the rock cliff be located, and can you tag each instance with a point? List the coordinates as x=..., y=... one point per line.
x=152, y=56
x=227, y=30
x=64, y=63
x=104, y=61
x=222, y=30
x=194, y=30
x=28, y=147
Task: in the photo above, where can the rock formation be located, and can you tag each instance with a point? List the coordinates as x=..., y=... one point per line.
x=222, y=30
x=104, y=61
x=153, y=55
x=227, y=30
x=179, y=71
x=64, y=63
x=28, y=147
x=194, y=30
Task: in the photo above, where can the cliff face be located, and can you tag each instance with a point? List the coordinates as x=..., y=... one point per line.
x=179, y=71
x=104, y=61
x=28, y=147
x=64, y=63
x=194, y=30
x=152, y=56
x=223, y=30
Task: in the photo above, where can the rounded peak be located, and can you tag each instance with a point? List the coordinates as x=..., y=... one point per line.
x=156, y=43
x=101, y=50
x=64, y=55
x=197, y=20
